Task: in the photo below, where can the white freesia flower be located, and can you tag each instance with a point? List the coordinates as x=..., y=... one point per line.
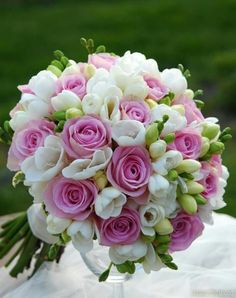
x=81, y=169
x=170, y=160
x=136, y=88
x=109, y=202
x=99, y=82
x=36, y=190
x=20, y=119
x=110, y=109
x=43, y=84
x=167, y=199
x=128, y=133
x=37, y=222
x=92, y=104
x=65, y=100
x=150, y=215
x=158, y=185
x=174, y=80
x=47, y=161
x=175, y=122
x=57, y=225
x=121, y=253
x=152, y=261
x=81, y=233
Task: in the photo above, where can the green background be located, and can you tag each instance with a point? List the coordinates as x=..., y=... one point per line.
x=198, y=34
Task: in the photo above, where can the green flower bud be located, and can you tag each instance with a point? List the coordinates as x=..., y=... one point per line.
x=199, y=103
x=157, y=149
x=73, y=113
x=58, y=64
x=56, y=71
x=163, y=239
x=164, y=227
x=172, y=175
x=151, y=134
x=151, y=103
x=189, y=93
x=59, y=115
x=194, y=187
x=89, y=70
x=169, y=138
x=161, y=249
x=179, y=108
x=188, y=203
x=64, y=61
x=65, y=237
x=200, y=199
x=188, y=166
x=226, y=137
x=101, y=180
x=210, y=130
x=217, y=148
x=58, y=54
x=205, y=146
x=166, y=100
x=148, y=239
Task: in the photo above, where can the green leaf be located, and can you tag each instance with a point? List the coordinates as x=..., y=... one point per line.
x=165, y=258
x=104, y=275
x=172, y=266
x=126, y=267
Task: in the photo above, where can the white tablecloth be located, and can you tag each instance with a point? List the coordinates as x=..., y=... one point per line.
x=206, y=269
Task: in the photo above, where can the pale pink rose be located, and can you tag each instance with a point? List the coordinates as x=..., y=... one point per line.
x=192, y=112
x=74, y=82
x=129, y=170
x=187, y=141
x=25, y=89
x=123, y=229
x=83, y=136
x=26, y=141
x=135, y=110
x=210, y=179
x=68, y=198
x=102, y=60
x=156, y=89
x=186, y=229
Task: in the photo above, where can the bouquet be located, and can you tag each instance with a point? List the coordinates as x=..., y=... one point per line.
x=116, y=151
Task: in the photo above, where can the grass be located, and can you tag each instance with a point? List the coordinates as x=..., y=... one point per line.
x=200, y=35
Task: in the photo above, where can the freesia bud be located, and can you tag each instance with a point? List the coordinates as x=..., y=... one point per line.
x=169, y=138
x=55, y=70
x=73, y=113
x=188, y=166
x=217, y=148
x=188, y=203
x=151, y=134
x=157, y=149
x=200, y=199
x=210, y=130
x=100, y=180
x=164, y=227
x=194, y=187
x=189, y=93
x=172, y=175
x=151, y=103
x=89, y=71
x=205, y=146
x=179, y=108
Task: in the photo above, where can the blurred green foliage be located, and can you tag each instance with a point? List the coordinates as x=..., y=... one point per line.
x=198, y=34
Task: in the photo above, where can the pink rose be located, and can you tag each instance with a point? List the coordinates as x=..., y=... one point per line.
x=192, y=113
x=135, y=110
x=102, y=60
x=186, y=229
x=74, y=82
x=27, y=140
x=123, y=229
x=156, y=89
x=67, y=198
x=210, y=179
x=187, y=141
x=83, y=136
x=129, y=170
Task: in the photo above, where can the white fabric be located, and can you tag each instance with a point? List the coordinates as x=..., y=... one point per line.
x=206, y=269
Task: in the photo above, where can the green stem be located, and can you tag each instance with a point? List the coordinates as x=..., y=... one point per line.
x=21, y=220
x=41, y=257
x=7, y=223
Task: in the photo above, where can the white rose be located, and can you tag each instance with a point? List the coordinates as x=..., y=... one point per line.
x=57, y=225
x=47, y=161
x=158, y=185
x=150, y=215
x=37, y=222
x=92, y=104
x=174, y=80
x=109, y=202
x=152, y=261
x=81, y=233
x=121, y=253
x=81, y=169
x=128, y=133
x=136, y=88
x=175, y=122
x=65, y=100
x=110, y=109
x=167, y=199
x=170, y=160
x=43, y=84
